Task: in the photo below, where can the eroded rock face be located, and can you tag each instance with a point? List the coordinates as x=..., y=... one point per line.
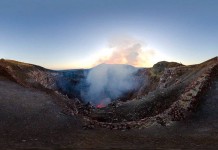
x=72, y=83
x=44, y=78
x=29, y=75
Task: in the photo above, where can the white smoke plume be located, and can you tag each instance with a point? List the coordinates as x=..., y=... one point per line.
x=109, y=82
x=114, y=77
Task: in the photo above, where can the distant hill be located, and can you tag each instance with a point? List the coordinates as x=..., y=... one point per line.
x=160, y=66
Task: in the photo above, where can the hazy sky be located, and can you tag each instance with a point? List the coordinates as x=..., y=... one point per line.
x=62, y=34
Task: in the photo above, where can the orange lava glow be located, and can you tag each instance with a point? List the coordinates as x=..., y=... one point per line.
x=101, y=105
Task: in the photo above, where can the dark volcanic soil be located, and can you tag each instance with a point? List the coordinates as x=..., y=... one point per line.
x=30, y=119
x=205, y=120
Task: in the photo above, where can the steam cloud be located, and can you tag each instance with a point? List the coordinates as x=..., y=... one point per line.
x=128, y=51
x=112, y=79
x=108, y=82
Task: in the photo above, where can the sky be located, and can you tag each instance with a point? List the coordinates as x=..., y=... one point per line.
x=66, y=34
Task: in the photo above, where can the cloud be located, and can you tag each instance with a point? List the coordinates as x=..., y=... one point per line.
x=127, y=50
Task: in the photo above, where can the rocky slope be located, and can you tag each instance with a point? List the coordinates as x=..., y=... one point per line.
x=27, y=74
x=40, y=107
x=175, y=96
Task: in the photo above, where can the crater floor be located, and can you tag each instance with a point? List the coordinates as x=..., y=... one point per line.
x=31, y=119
